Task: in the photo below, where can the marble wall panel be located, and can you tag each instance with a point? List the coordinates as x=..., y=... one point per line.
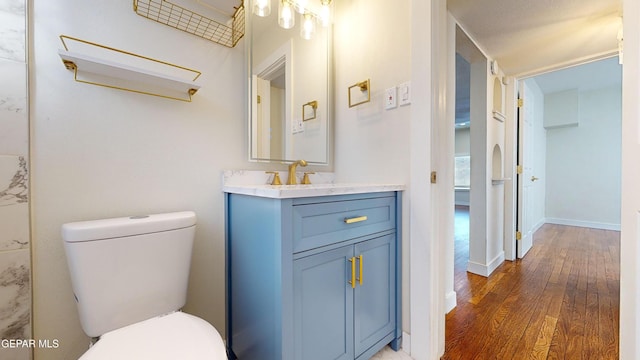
x=14, y=124
x=15, y=263
x=15, y=303
x=13, y=29
x=14, y=208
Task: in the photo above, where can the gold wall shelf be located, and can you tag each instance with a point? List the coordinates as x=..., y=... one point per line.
x=183, y=19
x=118, y=69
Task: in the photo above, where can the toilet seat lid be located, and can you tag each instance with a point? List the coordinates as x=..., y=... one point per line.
x=169, y=337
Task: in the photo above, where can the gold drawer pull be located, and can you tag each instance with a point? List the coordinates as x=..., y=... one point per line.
x=353, y=273
x=355, y=219
x=360, y=278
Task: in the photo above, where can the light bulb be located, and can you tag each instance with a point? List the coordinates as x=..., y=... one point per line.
x=308, y=27
x=262, y=7
x=286, y=18
x=325, y=13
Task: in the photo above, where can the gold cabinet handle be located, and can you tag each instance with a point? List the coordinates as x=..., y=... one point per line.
x=533, y=178
x=360, y=258
x=353, y=272
x=355, y=219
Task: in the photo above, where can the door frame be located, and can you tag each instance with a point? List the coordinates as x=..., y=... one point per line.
x=427, y=295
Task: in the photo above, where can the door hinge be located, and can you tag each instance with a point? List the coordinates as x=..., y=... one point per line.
x=519, y=169
x=259, y=99
x=434, y=177
x=520, y=103
x=518, y=235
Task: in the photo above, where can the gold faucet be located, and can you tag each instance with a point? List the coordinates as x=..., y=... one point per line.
x=292, y=171
x=305, y=179
x=276, y=177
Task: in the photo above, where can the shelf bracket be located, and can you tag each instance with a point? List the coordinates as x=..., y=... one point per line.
x=108, y=70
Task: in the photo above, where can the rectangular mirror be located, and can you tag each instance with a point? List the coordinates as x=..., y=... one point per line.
x=289, y=92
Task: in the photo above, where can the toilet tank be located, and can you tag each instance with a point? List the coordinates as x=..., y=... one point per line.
x=125, y=270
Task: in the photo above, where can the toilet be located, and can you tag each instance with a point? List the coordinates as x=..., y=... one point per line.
x=129, y=277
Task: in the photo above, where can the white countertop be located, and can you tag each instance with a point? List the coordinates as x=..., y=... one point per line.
x=298, y=191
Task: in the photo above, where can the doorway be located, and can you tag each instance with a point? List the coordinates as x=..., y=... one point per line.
x=564, y=144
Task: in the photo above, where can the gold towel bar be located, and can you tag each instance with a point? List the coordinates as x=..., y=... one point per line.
x=363, y=86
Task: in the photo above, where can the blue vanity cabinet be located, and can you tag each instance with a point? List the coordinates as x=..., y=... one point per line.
x=313, y=278
x=323, y=311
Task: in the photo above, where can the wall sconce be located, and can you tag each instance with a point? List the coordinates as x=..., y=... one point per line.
x=363, y=86
x=311, y=114
x=310, y=14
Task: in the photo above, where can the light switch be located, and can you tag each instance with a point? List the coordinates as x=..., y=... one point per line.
x=390, y=101
x=405, y=93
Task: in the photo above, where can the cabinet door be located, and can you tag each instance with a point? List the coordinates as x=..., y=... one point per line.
x=375, y=294
x=323, y=306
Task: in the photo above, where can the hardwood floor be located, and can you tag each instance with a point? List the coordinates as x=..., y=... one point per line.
x=560, y=302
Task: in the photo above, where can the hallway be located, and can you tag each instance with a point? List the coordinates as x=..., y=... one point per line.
x=560, y=301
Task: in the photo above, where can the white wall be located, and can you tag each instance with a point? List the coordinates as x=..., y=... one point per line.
x=462, y=141
x=478, y=197
x=372, y=144
x=583, y=164
x=630, y=229
x=101, y=153
x=494, y=171
x=462, y=147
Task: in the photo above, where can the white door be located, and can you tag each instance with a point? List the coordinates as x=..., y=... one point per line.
x=526, y=177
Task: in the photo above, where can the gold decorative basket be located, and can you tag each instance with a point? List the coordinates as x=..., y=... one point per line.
x=178, y=17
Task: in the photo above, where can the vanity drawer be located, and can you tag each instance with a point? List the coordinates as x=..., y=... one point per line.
x=316, y=225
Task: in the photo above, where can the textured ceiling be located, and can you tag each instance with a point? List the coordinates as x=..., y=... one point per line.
x=529, y=36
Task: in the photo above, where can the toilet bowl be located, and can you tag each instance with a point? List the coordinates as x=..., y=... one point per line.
x=170, y=337
x=129, y=277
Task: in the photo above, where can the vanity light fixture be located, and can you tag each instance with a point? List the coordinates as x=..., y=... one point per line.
x=301, y=5
x=286, y=15
x=325, y=13
x=308, y=27
x=262, y=8
x=309, y=15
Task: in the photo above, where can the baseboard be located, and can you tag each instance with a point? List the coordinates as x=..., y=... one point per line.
x=406, y=342
x=539, y=225
x=586, y=224
x=449, y=301
x=485, y=270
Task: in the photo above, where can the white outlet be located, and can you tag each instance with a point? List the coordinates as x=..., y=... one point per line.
x=390, y=98
x=297, y=126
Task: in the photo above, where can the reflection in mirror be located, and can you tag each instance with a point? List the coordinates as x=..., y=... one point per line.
x=310, y=112
x=289, y=89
